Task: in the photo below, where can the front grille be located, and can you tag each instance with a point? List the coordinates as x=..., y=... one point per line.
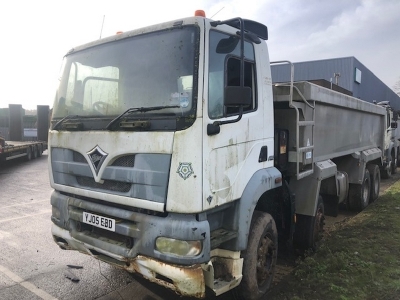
x=124, y=161
x=125, y=239
x=99, y=233
x=139, y=175
x=77, y=157
x=107, y=185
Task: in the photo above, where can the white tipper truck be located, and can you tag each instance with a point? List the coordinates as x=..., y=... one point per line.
x=173, y=156
x=391, y=155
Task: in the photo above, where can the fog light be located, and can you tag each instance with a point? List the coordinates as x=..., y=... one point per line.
x=55, y=212
x=178, y=247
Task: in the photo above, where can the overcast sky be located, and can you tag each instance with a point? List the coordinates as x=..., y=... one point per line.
x=37, y=34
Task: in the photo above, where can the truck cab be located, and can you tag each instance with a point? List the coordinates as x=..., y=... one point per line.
x=392, y=141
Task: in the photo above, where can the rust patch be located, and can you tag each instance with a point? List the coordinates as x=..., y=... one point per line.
x=183, y=280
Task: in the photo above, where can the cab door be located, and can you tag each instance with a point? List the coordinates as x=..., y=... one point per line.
x=232, y=155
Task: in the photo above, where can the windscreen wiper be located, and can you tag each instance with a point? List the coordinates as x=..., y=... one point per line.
x=139, y=109
x=68, y=117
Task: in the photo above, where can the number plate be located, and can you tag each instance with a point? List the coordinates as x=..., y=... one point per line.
x=99, y=221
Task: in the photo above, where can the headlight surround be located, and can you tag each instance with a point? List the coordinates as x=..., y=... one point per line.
x=55, y=212
x=178, y=247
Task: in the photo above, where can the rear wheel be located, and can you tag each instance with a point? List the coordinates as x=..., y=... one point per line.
x=375, y=182
x=309, y=229
x=40, y=150
x=394, y=164
x=387, y=172
x=398, y=158
x=359, y=194
x=34, y=152
x=259, y=258
x=28, y=154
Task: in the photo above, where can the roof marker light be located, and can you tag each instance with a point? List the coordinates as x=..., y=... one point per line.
x=199, y=13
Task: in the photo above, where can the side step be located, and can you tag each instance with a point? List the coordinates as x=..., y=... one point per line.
x=220, y=236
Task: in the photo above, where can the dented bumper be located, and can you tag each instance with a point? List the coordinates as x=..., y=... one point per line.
x=184, y=280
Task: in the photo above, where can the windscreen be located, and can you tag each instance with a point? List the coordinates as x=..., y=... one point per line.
x=148, y=70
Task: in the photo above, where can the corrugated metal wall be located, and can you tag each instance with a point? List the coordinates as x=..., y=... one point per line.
x=371, y=87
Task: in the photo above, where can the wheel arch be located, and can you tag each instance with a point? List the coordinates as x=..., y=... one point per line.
x=262, y=181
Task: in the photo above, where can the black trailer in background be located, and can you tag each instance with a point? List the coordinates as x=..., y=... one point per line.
x=13, y=142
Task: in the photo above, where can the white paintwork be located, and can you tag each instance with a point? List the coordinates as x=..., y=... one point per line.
x=230, y=158
x=184, y=195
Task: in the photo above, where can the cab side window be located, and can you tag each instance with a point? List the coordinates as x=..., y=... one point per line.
x=224, y=70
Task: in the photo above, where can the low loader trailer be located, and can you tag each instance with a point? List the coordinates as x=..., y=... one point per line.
x=27, y=150
x=173, y=156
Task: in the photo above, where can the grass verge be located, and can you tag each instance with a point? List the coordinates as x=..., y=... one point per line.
x=358, y=259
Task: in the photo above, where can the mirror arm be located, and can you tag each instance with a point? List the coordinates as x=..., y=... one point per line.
x=214, y=128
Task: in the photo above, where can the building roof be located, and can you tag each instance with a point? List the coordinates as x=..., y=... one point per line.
x=347, y=72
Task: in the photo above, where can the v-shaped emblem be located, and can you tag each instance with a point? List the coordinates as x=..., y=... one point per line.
x=97, y=157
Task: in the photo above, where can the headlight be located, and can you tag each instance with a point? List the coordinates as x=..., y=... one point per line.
x=178, y=247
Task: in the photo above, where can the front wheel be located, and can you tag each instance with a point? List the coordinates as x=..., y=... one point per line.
x=259, y=258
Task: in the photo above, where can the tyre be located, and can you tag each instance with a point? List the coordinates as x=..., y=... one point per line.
x=40, y=150
x=309, y=229
x=28, y=154
x=34, y=152
x=375, y=182
x=259, y=258
x=359, y=194
x=387, y=171
x=398, y=158
x=393, y=164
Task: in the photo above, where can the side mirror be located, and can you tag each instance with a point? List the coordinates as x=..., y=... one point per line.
x=393, y=125
x=227, y=45
x=236, y=96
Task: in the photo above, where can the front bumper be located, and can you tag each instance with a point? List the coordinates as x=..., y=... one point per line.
x=185, y=280
x=135, y=231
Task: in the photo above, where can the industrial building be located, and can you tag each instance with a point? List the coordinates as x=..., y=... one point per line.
x=346, y=74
